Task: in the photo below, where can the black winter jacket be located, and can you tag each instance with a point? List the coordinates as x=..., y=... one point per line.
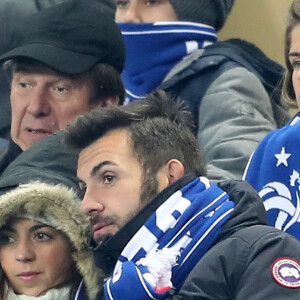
x=49, y=160
x=238, y=266
x=8, y=154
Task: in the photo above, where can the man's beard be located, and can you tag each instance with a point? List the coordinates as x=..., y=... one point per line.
x=149, y=190
x=113, y=219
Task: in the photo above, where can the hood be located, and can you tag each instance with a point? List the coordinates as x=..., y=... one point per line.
x=58, y=207
x=50, y=160
x=42, y=182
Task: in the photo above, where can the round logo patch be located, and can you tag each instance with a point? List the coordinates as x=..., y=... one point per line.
x=286, y=272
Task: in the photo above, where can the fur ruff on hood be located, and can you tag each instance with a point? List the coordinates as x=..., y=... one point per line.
x=58, y=207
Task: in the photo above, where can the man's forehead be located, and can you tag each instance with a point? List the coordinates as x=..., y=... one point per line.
x=90, y=152
x=112, y=144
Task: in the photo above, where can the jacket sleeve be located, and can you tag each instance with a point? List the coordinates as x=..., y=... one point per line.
x=234, y=115
x=241, y=268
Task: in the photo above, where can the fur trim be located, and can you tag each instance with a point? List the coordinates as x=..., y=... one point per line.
x=57, y=206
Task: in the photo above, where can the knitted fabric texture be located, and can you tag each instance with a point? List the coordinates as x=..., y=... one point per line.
x=153, y=49
x=274, y=171
x=171, y=242
x=210, y=12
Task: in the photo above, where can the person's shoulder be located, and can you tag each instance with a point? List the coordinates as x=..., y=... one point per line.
x=8, y=154
x=261, y=234
x=230, y=76
x=258, y=245
x=247, y=255
x=3, y=144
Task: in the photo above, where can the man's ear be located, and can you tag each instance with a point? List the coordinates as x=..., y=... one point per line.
x=175, y=170
x=113, y=100
x=169, y=173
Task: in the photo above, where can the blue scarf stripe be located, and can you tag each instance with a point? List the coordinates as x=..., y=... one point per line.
x=122, y=258
x=81, y=291
x=213, y=198
x=176, y=214
x=145, y=285
x=140, y=288
x=139, y=254
x=217, y=223
x=108, y=290
x=199, y=184
x=198, y=27
x=199, y=226
x=188, y=32
x=184, y=225
x=199, y=249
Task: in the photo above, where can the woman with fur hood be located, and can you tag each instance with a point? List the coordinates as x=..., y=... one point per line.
x=39, y=212
x=44, y=245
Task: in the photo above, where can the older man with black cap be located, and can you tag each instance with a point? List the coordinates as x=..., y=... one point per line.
x=10, y=12
x=63, y=61
x=167, y=44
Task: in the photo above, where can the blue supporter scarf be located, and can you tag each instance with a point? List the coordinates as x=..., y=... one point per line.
x=153, y=49
x=274, y=171
x=171, y=242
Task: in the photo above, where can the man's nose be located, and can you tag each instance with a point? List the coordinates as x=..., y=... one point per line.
x=91, y=204
x=24, y=251
x=39, y=105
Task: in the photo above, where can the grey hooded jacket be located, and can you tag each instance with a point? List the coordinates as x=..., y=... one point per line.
x=232, y=108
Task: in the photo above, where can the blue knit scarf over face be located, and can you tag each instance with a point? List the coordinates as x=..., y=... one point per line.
x=171, y=242
x=153, y=49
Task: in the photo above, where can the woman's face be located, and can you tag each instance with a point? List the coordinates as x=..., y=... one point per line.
x=34, y=257
x=144, y=11
x=294, y=58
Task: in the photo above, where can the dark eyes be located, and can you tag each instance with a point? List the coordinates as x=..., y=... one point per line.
x=39, y=237
x=107, y=179
x=125, y=3
x=122, y=4
x=6, y=239
x=295, y=64
x=61, y=89
x=42, y=237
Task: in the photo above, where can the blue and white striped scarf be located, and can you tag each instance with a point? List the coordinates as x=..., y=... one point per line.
x=153, y=49
x=171, y=242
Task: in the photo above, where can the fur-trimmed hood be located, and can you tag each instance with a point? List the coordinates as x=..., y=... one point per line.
x=57, y=206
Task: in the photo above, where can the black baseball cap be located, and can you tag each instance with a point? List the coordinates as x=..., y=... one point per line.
x=70, y=37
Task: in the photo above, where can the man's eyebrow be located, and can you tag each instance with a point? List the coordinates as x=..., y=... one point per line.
x=97, y=167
